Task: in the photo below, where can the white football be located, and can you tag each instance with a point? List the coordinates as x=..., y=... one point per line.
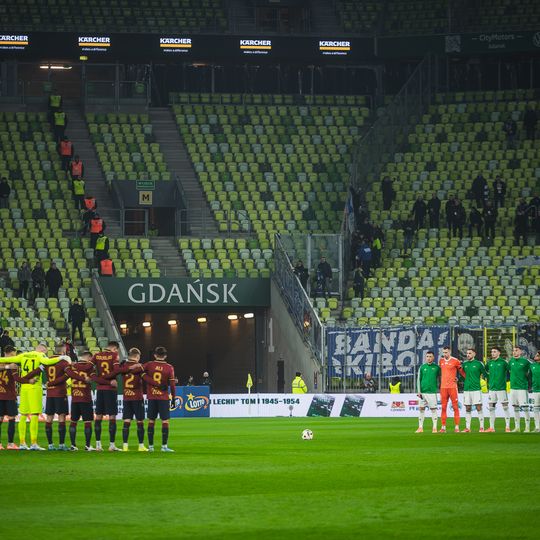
x=307, y=434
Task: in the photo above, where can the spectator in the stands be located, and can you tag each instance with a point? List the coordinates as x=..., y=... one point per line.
x=475, y=221
x=370, y=386
x=408, y=235
x=388, y=193
x=38, y=280
x=490, y=219
x=510, y=128
x=65, y=149
x=324, y=273
x=458, y=218
x=5, y=192
x=478, y=190
x=5, y=341
x=364, y=257
x=53, y=280
x=24, y=275
x=302, y=273
x=76, y=316
x=499, y=191
x=359, y=282
x=449, y=210
x=207, y=381
x=535, y=212
x=521, y=222
x=434, y=211
x=419, y=210
x=76, y=168
x=529, y=121
x=376, y=250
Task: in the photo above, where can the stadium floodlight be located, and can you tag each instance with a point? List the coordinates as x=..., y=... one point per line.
x=58, y=67
x=232, y=317
x=146, y=324
x=123, y=326
x=249, y=315
x=172, y=322
x=202, y=320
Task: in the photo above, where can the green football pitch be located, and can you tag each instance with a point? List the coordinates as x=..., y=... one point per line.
x=256, y=478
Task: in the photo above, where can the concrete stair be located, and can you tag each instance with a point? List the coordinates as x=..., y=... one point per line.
x=77, y=131
x=201, y=219
x=167, y=256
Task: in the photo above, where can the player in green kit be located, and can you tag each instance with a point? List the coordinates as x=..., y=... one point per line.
x=535, y=376
x=31, y=400
x=520, y=369
x=497, y=370
x=427, y=385
x=472, y=390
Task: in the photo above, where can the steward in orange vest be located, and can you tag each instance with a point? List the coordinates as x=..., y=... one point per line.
x=106, y=267
x=90, y=203
x=97, y=226
x=65, y=149
x=76, y=168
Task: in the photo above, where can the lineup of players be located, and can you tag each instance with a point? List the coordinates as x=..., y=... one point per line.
x=103, y=368
x=442, y=378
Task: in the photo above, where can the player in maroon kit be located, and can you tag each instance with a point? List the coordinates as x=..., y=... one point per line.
x=57, y=402
x=159, y=376
x=106, y=364
x=131, y=371
x=81, y=399
x=9, y=375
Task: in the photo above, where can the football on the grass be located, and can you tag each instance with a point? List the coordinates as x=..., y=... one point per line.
x=307, y=434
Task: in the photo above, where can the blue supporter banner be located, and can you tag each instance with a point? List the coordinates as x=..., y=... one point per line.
x=355, y=352
x=191, y=401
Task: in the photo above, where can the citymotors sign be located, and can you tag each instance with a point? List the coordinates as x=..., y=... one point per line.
x=185, y=292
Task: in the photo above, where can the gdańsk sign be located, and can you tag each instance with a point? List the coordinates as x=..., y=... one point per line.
x=186, y=292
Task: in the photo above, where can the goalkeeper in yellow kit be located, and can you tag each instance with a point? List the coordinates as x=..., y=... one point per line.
x=31, y=400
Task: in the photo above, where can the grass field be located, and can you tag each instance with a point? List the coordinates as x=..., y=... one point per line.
x=256, y=478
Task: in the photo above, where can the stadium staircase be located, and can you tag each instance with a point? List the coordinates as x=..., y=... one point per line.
x=165, y=129
x=167, y=256
x=96, y=186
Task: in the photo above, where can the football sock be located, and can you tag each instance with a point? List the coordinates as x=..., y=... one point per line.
x=34, y=428
x=88, y=432
x=11, y=431
x=536, y=421
x=517, y=416
x=98, y=430
x=492, y=417
x=506, y=416
x=468, y=415
x=48, y=432
x=421, y=418
x=527, y=418
x=151, y=433
x=164, y=434
x=140, y=432
x=435, y=418
x=73, y=433
x=481, y=419
x=22, y=430
x=62, y=432
x=112, y=429
x=125, y=432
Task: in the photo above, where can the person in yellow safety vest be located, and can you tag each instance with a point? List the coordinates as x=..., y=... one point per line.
x=78, y=192
x=483, y=385
x=106, y=268
x=55, y=102
x=76, y=168
x=59, y=123
x=298, y=384
x=101, y=250
x=395, y=386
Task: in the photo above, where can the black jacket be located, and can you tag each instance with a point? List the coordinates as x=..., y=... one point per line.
x=54, y=278
x=76, y=314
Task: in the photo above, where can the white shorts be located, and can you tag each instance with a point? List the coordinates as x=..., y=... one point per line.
x=519, y=398
x=498, y=396
x=472, y=397
x=428, y=400
x=536, y=399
